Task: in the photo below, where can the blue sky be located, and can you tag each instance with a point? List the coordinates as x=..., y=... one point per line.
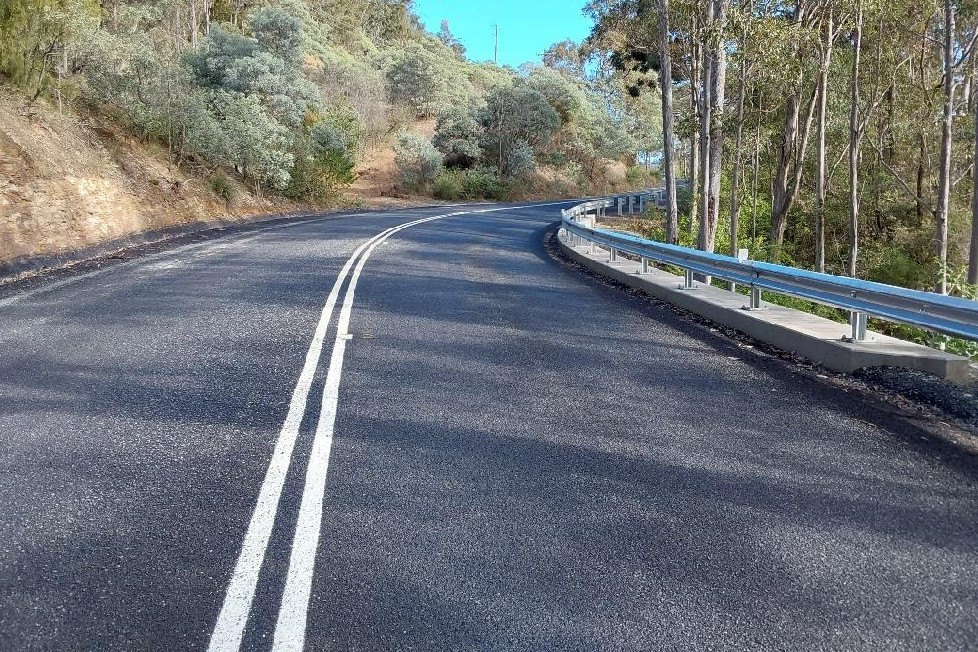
x=526, y=27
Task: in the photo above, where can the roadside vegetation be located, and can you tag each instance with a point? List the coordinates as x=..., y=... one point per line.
x=289, y=96
x=835, y=135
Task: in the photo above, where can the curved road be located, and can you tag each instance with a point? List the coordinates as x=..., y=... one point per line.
x=299, y=436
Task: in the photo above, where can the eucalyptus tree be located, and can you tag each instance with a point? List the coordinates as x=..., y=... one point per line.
x=517, y=123
x=638, y=39
x=668, y=136
x=35, y=36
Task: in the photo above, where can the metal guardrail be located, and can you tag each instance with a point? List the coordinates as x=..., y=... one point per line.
x=936, y=312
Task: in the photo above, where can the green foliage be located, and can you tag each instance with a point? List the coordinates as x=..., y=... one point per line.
x=36, y=34
x=638, y=176
x=417, y=160
x=478, y=183
x=518, y=161
x=483, y=183
x=258, y=146
x=448, y=39
x=457, y=136
x=448, y=186
x=324, y=163
x=487, y=77
x=221, y=186
x=518, y=122
x=428, y=77
x=278, y=34
x=289, y=94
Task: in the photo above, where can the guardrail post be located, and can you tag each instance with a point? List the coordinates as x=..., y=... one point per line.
x=858, y=321
x=620, y=207
x=645, y=265
x=689, y=280
x=614, y=255
x=755, y=298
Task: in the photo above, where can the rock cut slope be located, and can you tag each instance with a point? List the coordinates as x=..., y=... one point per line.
x=67, y=184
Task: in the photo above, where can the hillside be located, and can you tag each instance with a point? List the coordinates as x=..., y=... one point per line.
x=133, y=116
x=66, y=185
x=70, y=183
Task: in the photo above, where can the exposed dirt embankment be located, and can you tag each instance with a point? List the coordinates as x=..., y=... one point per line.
x=67, y=185
x=72, y=187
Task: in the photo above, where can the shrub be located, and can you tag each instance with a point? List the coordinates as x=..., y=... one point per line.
x=519, y=161
x=483, y=183
x=480, y=183
x=518, y=123
x=221, y=186
x=428, y=78
x=325, y=162
x=448, y=186
x=638, y=176
x=417, y=160
x=457, y=138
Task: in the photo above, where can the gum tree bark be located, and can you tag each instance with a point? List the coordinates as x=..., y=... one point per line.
x=668, y=154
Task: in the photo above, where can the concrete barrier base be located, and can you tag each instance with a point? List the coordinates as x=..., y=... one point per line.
x=816, y=338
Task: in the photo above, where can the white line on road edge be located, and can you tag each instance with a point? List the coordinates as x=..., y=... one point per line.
x=290, y=627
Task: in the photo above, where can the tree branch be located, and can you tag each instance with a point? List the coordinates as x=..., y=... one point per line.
x=896, y=175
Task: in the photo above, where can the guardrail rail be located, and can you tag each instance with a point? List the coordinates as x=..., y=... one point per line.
x=944, y=314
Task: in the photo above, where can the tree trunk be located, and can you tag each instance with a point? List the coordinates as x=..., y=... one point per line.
x=738, y=163
x=973, y=252
x=756, y=170
x=193, y=23
x=820, y=192
x=789, y=143
x=694, y=144
x=668, y=155
x=718, y=80
x=791, y=157
x=706, y=106
x=854, y=144
x=944, y=173
x=921, y=175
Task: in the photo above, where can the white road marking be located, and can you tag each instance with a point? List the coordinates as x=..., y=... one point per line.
x=231, y=622
x=291, y=624
x=290, y=630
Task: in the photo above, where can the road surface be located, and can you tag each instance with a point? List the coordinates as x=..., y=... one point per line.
x=339, y=434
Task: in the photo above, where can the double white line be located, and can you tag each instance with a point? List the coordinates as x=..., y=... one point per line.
x=291, y=624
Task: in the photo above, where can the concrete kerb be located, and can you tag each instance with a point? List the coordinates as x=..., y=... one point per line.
x=816, y=338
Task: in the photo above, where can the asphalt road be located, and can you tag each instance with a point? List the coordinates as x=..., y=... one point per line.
x=473, y=447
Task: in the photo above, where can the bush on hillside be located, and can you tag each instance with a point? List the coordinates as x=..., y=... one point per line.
x=428, y=77
x=518, y=123
x=479, y=183
x=457, y=137
x=417, y=161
